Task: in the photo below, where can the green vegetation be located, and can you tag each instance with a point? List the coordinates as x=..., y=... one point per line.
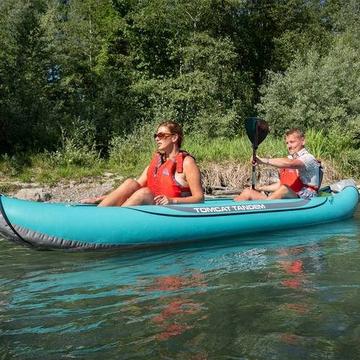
x=83, y=83
x=130, y=154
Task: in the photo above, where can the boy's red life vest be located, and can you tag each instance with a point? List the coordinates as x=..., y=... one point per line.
x=161, y=176
x=291, y=178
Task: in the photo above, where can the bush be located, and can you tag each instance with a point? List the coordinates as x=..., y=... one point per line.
x=74, y=154
x=13, y=165
x=316, y=92
x=78, y=147
x=131, y=153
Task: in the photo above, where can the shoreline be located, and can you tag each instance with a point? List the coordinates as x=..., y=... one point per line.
x=218, y=180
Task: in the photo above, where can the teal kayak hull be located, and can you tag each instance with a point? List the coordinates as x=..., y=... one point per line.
x=78, y=226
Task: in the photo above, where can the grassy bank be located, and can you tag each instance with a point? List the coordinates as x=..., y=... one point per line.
x=130, y=154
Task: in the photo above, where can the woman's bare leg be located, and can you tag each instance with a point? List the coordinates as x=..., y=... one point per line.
x=141, y=197
x=121, y=194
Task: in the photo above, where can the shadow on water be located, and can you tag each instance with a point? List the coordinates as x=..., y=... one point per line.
x=60, y=271
x=124, y=266
x=110, y=301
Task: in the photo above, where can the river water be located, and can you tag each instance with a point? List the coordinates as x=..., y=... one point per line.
x=293, y=295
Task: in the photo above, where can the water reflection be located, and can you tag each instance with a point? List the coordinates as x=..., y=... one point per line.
x=224, y=298
x=172, y=317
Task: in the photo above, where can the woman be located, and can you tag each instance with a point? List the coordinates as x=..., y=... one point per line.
x=172, y=176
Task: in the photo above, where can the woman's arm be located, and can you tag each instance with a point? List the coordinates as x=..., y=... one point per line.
x=193, y=178
x=142, y=179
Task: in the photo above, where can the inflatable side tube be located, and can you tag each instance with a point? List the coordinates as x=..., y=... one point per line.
x=38, y=240
x=7, y=230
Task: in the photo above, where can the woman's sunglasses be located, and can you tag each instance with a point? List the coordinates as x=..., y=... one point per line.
x=162, y=135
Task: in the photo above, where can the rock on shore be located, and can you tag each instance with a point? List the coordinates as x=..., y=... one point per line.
x=65, y=191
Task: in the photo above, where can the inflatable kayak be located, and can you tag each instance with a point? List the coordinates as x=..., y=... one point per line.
x=78, y=226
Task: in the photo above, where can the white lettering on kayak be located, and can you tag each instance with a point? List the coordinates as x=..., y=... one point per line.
x=221, y=209
x=249, y=207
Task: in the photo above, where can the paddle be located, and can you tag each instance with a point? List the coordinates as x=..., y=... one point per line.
x=256, y=130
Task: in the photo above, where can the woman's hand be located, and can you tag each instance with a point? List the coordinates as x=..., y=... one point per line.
x=162, y=200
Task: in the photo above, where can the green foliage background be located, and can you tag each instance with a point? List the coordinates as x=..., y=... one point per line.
x=84, y=81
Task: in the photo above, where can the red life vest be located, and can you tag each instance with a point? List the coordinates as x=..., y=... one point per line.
x=291, y=178
x=161, y=176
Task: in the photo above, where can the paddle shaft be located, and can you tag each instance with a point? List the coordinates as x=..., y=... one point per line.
x=253, y=174
x=257, y=130
x=255, y=145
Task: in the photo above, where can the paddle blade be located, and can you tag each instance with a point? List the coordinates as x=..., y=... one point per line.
x=256, y=130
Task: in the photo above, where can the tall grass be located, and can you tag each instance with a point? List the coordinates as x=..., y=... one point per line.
x=73, y=160
x=131, y=153
x=237, y=149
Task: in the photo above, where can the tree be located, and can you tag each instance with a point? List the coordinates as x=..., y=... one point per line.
x=86, y=42
x=320, y=92
x=206, y=94
x=23, y=72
